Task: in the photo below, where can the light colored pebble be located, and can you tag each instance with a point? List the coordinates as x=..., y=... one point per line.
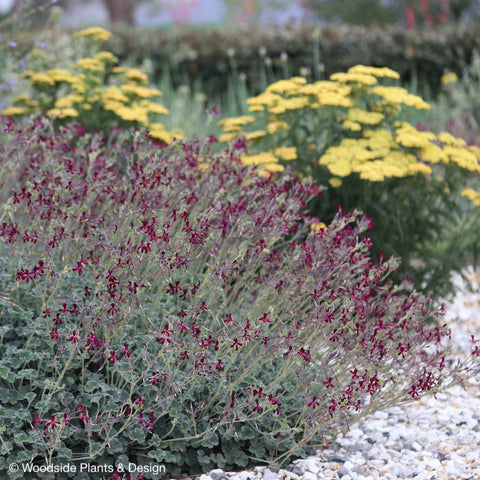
x=269, y=475
x=216, y=474
x=311, y=466
x=245, y=475
x=290, y=475
x=309, y=476
x=376, y=463
x=425, y=475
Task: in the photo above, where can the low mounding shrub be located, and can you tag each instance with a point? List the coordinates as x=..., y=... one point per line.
x=93, y=90
x=354, y=133
x=168, y=305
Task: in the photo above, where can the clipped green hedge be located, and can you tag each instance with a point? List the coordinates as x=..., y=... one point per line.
x=202, y=54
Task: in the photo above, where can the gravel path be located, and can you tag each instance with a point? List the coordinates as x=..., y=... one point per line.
x=431, y=439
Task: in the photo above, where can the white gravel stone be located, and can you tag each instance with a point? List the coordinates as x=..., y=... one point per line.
x=425, y=475
x=216, y=474
x=310, y=465
x=245, y=475
x=289, y=475
x=378, y=464
x=309, y=476
x=269, y=475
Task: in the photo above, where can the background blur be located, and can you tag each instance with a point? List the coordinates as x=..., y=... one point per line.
x=163, y=12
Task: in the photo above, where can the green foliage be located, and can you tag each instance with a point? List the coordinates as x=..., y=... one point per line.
x=353, y=134
x=187, y=106
x=168, y=304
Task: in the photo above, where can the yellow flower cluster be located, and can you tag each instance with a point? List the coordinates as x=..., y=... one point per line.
x=236, y=123
x=92, y=64
x=132, y=74
x=373, y=158
x=382, y=154
x=293, y=94
x=286, y=86
x=328, y=94
x=158, y=131
x=398, y=95
x=41, y=79
x=351, y=77
x=377, y=72
x=472, y=195
x=15, y=111
x=98, y=34
x=286, y=153
x=463, y=157
x=267, y=160
x=450, y=77
x=350, y=123
x=82, y=90
x=318, y=226
x=408, y=136
x=357, y=117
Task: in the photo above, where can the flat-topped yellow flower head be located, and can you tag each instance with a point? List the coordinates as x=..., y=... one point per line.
x=375, y=71
x=98, y=34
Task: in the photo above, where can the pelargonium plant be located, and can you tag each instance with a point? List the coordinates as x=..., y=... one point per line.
x=355, y=134
x=166, y=304
x=93, y=90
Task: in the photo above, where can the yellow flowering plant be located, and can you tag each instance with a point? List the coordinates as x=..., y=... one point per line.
x=94, y=91
x=354, y=133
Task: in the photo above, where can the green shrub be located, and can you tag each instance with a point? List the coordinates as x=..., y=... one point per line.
x=168, y=305
x=354, y=134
